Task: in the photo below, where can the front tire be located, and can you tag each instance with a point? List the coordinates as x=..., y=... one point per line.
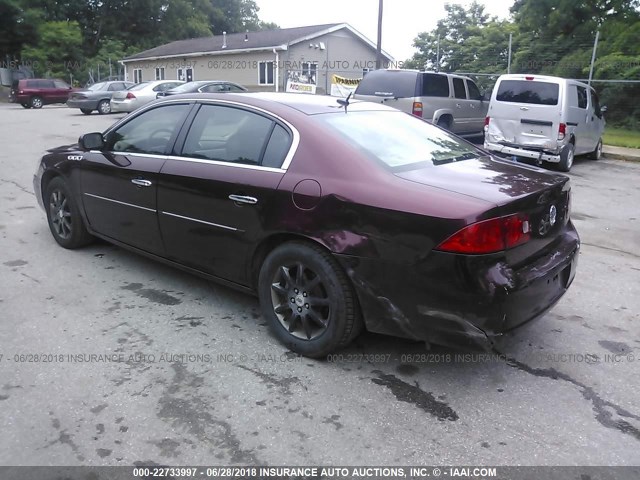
x=104, y=107
x=26, y=105
x=566, y=158
x=597, y=153
x=36, y=102
x=65, y=221
x=307, y=299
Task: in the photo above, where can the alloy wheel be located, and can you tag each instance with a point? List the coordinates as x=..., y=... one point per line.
x=60, y=214
x=300, y=301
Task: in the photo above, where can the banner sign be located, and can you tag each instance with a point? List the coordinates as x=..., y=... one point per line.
x=342, y=86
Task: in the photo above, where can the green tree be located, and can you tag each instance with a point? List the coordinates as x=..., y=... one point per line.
x=58, y=51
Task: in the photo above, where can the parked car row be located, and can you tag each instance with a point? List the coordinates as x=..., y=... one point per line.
x=110, y=96
x=542, y=118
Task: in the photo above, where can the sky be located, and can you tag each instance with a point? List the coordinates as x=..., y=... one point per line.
x=402, y=19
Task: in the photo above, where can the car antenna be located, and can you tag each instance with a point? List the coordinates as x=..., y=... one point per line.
x=345, y=102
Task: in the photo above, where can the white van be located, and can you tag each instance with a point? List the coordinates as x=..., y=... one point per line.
x=548, y=119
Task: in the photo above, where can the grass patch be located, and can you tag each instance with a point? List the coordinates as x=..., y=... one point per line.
x=621, y=137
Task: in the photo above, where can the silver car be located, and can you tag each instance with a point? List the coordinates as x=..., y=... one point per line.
x=96, y=97
x=140, y=94
x=451, y=101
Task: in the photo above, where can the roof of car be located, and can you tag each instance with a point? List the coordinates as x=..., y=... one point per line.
x=308, y=104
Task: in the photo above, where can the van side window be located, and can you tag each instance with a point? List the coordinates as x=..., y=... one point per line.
x=458, y=88
x=596, y=103
x=434, y=85
x=582, y=97
x=474, y=91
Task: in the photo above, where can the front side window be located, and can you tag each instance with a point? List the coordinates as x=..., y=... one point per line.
x=582, y=97
x=137, y=75
x=227, y=134
x=528, y=91
x=60, y=84
x=266, y=73
x=149, y=132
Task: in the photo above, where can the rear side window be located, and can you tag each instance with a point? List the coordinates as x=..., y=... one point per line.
x=474, y=91
x=526, y=91
x=435, y=85
x=458, y=88
x=384, y=83
x=277, y=148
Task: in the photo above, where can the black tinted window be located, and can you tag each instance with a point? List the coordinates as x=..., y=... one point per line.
x=526, y=91
x=384, y=83
x=458, y=88
x=227, y=134
x=582, y=97
x=60, y=84
x=434, y=85
x=474, y=91
x=277, y=149
x=150, y=132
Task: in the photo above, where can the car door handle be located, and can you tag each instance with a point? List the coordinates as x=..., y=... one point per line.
x=139, y=182
x=458, y=105
x=243, y=199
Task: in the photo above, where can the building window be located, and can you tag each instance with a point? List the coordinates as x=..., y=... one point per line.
x=159, y=73
x=185, y=74
x=266, y=73
x=309, y=71
x=137, y=75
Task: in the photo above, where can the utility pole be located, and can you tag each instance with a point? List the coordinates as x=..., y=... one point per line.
x=593, y=56
x=438, y=55
x=379, y=59
x=509, y=61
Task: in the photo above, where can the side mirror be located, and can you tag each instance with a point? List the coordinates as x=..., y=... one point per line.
x=91, y=141
x=603, y=109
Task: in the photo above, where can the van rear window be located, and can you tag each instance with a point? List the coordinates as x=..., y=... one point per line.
x=526, y=91
x=386, y=83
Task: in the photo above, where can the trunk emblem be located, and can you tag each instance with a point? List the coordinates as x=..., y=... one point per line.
x=548, y=221
x=552, y=215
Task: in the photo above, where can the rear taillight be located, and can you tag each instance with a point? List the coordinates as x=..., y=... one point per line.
x=489, y=236
x=417, y=109
x=130, y=96
x=562, y=131
x=486, y=121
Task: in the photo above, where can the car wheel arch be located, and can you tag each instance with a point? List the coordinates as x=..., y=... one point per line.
x=270, y=243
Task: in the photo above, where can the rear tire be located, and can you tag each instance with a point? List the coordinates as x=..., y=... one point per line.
x=65, y=221
x=86, y=111
x=597, y=153
x=26, y=105
x=307, y=299
x=104, y=107
x=444, y=122
x=36, y=102
x=566, y=158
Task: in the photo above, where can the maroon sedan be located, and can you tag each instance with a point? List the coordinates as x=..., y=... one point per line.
x=339, y=216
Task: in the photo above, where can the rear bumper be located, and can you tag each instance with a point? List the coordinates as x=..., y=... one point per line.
x=461, y=301
x=117, y=107
x=540, y=155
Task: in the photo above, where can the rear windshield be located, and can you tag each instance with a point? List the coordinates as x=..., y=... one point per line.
x=140, y=86
x=527, y=91
x=384, y=83
x=397, y=140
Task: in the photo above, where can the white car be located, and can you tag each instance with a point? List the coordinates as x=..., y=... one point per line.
x=548, y=119
x=140, y=94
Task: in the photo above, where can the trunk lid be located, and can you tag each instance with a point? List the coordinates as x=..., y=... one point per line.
x=513, y=188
